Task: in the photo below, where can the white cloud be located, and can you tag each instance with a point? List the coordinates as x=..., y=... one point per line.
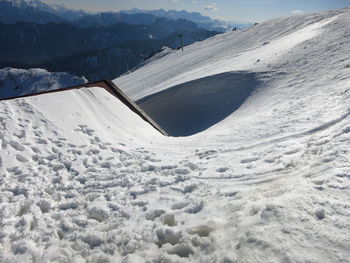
x=211, y=7
x=297, y=12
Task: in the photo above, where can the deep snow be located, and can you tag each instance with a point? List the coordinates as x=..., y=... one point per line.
x=269, y=182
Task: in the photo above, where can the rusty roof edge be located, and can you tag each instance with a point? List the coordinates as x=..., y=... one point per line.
x=117, y=92
x=134, y=107
x=89, y=84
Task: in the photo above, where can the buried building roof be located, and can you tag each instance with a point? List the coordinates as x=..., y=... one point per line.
x=111, y=88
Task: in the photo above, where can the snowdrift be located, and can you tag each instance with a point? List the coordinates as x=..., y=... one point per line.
x=84, y=179
x=194, y=106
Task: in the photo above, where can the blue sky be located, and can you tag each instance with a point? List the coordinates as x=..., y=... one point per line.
x=241, y=10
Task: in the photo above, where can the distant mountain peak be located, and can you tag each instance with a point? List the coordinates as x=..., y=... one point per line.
x=36, y=11
x=202, y=21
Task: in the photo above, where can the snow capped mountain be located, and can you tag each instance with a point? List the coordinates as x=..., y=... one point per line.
x=25, y=11
x=36, y=11
x=59, y=10
x=264, y=179
x=16, y=82
x=110, y=18
x=202, y=21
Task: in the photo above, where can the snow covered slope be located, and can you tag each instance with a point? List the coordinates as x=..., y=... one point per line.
x=257, y=48
x=283, y=58
x=269, y=182
x=16, y=82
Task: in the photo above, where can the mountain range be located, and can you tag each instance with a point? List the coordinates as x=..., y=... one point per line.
x=37, y=43
x=202, y=21
x=36, y=11
x=101, y=45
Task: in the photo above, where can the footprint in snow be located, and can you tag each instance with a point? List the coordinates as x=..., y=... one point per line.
x=41, y=141
x=17, y=146
x=21, y=158
x=20, y=134
x=290, y=152
x=222, y=169
x=180, y=205
x=249, y=160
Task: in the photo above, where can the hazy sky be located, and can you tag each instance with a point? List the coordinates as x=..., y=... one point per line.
x=243, y=10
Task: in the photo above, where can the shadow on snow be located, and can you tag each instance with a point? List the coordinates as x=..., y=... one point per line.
x=195, y=106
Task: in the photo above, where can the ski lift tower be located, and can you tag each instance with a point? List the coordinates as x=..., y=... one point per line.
x=182, y=41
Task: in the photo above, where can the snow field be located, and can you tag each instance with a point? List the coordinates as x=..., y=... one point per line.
x=72, y=194
x=83, y=179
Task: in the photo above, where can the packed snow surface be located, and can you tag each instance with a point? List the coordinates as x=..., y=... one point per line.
x=16, y=82
x=84, y=179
